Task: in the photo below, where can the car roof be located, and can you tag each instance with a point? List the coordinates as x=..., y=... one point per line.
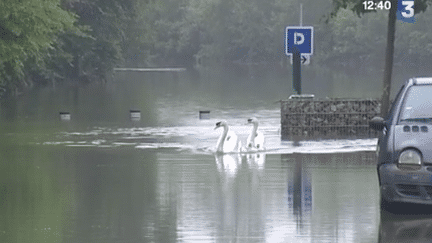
x=421, y=80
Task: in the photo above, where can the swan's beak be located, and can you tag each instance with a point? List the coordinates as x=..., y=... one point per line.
x=217, y=125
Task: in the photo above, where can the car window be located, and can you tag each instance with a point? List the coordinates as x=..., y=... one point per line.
x=417, y=106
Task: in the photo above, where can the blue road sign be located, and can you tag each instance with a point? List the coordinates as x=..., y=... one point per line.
x=300, y=37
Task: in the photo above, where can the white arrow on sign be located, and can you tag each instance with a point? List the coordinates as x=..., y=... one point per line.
x=305, y=59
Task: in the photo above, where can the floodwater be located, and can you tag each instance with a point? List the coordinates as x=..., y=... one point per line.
x=101, y=177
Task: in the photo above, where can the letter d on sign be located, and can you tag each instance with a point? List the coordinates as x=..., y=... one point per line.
x=298, y=38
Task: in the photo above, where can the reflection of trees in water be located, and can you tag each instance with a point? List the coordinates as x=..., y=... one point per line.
x=119, y=197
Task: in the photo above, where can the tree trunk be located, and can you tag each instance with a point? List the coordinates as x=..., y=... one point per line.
x=385, y=99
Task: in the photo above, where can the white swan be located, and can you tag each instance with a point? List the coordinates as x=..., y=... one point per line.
x=228, y=141
x=255, y=140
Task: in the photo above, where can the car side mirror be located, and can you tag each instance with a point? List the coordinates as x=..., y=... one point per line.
x=377, y=123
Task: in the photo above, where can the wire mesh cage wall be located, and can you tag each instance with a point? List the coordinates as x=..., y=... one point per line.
x=328, y=118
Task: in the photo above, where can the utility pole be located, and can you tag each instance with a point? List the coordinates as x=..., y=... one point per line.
x=297, y=62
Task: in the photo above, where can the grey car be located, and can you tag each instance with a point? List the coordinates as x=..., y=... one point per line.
x=405, y=145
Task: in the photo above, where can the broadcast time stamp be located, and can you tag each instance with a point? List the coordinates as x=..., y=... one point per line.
x=405, y=8
x=379, y=5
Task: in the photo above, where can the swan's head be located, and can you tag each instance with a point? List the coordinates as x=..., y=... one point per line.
x=221, y=124
x=253, y=120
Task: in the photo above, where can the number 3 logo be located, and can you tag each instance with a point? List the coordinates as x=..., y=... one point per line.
x=409, y=9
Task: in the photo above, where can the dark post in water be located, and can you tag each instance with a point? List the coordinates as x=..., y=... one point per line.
x=296, y=70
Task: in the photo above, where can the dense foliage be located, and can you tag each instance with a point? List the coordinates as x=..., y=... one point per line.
x=360, y=8
x=29, y=31
x=51, y=41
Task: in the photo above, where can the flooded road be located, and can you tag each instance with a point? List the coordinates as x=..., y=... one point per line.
x=88, y=194
x=103, y=178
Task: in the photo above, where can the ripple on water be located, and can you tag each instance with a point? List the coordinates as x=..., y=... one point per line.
x=200, y=139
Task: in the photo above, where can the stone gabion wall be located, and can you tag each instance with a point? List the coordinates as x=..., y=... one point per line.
x=328, y=118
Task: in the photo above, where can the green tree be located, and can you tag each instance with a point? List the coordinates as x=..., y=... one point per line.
x=54, y=40
x=213, y=31
x=168, y=32
x=349, y=48
x=94, y=58
x=358, y=7
x=28, y=30
x=414, y=46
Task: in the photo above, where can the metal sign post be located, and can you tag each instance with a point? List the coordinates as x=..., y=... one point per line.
x=296, y=59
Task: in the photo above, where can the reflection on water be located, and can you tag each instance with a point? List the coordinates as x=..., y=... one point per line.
x=238, y=201
x=410, y=223
x=92, y=194
x=271, y=202
x=169, y=118
x=228, y=163
x=333, y=197
x=300, y=190
x=102, y=178
x=256, y=160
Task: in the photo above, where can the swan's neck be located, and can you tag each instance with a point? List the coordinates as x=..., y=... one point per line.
x=254, y=131
x=222, y=139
